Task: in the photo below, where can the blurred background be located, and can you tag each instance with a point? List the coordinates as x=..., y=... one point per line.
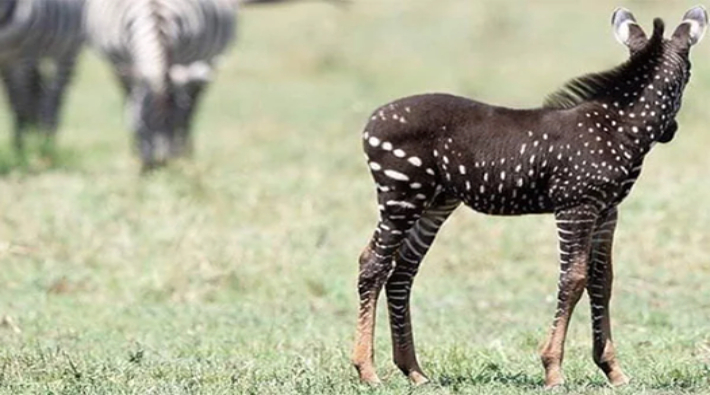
x=235, y=272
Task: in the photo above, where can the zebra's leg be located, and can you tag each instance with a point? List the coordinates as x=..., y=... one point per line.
x=599, y=291
x=190, y=82
x=148, y=112
x=398, y=213
x=399, y=284
x=574, y=227
x=124, y=80
x=12, y=94
x=51, y=102
x=23, y=86
x=186, y=101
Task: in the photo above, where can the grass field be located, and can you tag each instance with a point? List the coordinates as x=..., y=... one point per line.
x=235, y=272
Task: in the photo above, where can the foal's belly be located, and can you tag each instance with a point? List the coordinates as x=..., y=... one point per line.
x=514, y=196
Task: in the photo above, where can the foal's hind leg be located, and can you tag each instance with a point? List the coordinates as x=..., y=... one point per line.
x=599, y=290
x=376, y=264
x=399, y=285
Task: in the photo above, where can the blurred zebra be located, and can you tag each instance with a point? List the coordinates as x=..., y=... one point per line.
x=39, y=44
x=163, y=53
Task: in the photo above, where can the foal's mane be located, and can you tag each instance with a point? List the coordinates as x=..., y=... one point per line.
x=601, y=85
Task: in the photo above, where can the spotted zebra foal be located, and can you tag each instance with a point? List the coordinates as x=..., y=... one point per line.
x=577, y=157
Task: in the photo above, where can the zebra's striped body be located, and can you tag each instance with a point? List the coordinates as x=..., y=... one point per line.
x=35, y=34
x=577, y=158
x=163, y=52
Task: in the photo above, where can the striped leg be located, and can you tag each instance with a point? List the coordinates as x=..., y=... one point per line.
x=399, y=285
x=375, y=266
x=397, y=216
x=575, y=227
x=599, y=290
x=23, y=87
x=123, y=76
x=186, y=100
x=149, y=116
x=52, y=100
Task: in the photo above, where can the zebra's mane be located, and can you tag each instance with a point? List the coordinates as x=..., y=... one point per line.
x=601, y=85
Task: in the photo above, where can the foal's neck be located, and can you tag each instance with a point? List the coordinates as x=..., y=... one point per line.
x=649, y=100
x=635, y=102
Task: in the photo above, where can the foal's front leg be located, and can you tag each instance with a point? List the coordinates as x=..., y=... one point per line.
x=574, y=227
x=599, y=290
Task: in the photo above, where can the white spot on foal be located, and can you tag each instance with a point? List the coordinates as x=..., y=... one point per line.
x=415, y=161
x=400, y=204
x=395, y=175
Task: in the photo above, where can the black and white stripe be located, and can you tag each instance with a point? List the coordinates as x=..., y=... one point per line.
x=163, y=52
x=36, y=33
x=398, y=287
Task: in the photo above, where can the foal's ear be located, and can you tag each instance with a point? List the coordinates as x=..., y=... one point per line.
x=626, y=30
x=692, y=29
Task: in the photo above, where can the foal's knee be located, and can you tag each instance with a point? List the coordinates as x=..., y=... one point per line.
x=604, y=357
x=577, y=278
x=366, y=256
x=373, y=271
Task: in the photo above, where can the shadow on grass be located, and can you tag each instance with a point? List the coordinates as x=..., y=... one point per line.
x=187, y=177
x=492, y=373
x=683, y=380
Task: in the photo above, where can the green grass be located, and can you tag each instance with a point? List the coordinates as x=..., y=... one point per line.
x=236, y=272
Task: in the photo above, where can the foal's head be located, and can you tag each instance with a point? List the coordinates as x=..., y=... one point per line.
x=645, y=91
x=664, y=63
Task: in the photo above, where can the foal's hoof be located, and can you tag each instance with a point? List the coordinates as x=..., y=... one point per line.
x=555, y=382
x=370, y=378
x=418, y=378
x=554, y=387
x=617, y=379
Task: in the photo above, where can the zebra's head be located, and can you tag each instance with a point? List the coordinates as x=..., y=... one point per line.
x=148, y=113
x=7, y=9
x=667, y=70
